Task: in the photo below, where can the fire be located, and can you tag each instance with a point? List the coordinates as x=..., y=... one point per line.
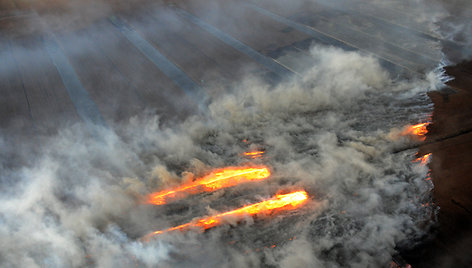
x=218, y=179
x=255, y=154
x=424, y=159
x=418, y=130
x=279, y=202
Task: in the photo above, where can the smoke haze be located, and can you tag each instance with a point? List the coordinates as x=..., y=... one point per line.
x=333, y=129
x=77, y=201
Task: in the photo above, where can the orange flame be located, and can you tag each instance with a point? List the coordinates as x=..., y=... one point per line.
x=424, y=159
x=418, y=130
x=281, y=201
x=255, y=154
x=218, y=179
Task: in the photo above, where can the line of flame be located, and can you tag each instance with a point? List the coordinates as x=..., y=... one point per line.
x=221, y=178
x=279, y=202
x=254, y=153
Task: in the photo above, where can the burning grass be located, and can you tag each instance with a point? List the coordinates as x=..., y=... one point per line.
x=423, y=160
x=279, y=202
x=417, y=131
x=254, y=154
x=218, y=179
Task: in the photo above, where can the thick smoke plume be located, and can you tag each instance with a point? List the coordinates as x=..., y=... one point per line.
x=76, y=201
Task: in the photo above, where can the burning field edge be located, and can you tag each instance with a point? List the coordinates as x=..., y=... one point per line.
x=449, y=140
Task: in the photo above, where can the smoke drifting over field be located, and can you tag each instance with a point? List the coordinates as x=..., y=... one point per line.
x=77, y=202
x=333, y=130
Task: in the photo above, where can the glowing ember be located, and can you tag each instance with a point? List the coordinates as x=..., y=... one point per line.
x=255, y=154
x=218, y=179
x=279, y=202
x=418, y=131
x=424, y=159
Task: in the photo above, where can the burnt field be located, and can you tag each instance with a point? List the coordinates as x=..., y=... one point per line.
x=173, y=133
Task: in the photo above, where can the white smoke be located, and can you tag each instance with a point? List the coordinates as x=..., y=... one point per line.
x=76, y=201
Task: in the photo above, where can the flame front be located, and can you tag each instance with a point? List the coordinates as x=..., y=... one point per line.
x=221, y=178
x=418, y=130
x=279, y=202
